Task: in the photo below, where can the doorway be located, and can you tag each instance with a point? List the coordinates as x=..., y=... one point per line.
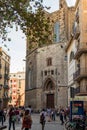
x=50, y=101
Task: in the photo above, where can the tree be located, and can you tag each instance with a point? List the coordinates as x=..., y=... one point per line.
x=29, y=15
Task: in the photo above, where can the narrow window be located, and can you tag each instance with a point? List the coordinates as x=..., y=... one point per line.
x=49, y=61
x=56, y=32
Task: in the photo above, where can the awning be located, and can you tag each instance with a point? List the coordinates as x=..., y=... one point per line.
x=81, y=97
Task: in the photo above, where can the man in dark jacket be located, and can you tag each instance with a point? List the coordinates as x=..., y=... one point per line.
x=2, y=116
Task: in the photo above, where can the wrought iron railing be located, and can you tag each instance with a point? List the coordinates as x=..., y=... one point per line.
x=76, y=32
x=82, y=45
x=0, y=76
x=6, y=86
x=80, y=72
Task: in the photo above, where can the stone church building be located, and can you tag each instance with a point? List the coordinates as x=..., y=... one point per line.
x=46, y=67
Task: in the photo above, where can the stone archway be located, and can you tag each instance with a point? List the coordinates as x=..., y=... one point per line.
x=49, y=90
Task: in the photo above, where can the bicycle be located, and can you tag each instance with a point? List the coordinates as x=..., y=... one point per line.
x=75, y=124
x=70, y=125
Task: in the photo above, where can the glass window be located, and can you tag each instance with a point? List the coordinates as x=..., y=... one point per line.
x=56, y=32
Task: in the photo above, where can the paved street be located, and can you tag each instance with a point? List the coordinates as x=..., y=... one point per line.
x=37, y=126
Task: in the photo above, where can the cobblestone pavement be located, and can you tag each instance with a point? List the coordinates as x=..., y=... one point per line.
x=53, y=125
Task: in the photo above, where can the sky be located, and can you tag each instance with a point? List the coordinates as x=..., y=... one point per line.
x=16, y=48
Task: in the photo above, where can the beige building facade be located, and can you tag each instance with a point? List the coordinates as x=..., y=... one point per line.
x=4, y=77
x=17, y=89
x=46, y=66
x=79, y=41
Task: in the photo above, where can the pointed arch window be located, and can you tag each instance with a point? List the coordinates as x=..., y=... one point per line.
x=71, y=56
x=56, y=32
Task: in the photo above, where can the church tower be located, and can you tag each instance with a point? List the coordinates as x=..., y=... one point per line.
x=63, y=19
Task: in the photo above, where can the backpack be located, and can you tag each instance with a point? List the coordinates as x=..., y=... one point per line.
x=42, y=118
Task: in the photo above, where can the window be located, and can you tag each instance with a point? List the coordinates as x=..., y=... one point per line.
x=11, y=81
x=56, y=32
x=49, y=61
x=13, y=97
x=71, y=56
x=14, y=80
x=45, y=72
x=52, y=72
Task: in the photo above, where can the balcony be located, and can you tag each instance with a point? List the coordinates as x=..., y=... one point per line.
x=5, y=97
x=74, y=91
x=6, y=76
x=80, y=74
x=81, y=48
x=0, y=76
x=6, y=87
x=0, y=100
x=0, y=65
x=76, y=31
x=1, y=86
x=77, y=17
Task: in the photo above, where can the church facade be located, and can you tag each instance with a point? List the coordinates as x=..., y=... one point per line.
x=46, y=67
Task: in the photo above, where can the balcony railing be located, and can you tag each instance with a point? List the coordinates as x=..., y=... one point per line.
x=80, y=73
x=76, y=32
x=6, y=76
x=6, y=87
x=0, y=100
x=0, y=65
x=0, y=76
x=81, y=48
x=1, y=86
x=74, y=91
x=5, y=98
x=77, y=16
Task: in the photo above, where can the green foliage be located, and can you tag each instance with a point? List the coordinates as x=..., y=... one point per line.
x=29, y=15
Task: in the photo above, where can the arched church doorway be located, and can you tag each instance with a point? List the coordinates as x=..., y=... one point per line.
x=49, y=89
x=50, y=101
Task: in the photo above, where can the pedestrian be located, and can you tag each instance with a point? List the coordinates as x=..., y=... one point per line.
x=2, y=116
x=43, y=118
x=12, y=118
x=17, y=115
x=27, y=121
x=61, y=114
x=53, y=114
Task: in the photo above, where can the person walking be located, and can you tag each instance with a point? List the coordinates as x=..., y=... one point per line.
x=2, y=116
x=61, y=114
x=43, y=118
x=12, y=118
x=27, y=121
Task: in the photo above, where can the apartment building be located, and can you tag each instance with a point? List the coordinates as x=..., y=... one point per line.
x=4, y=77
x=77, y=54
x=17, y=89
